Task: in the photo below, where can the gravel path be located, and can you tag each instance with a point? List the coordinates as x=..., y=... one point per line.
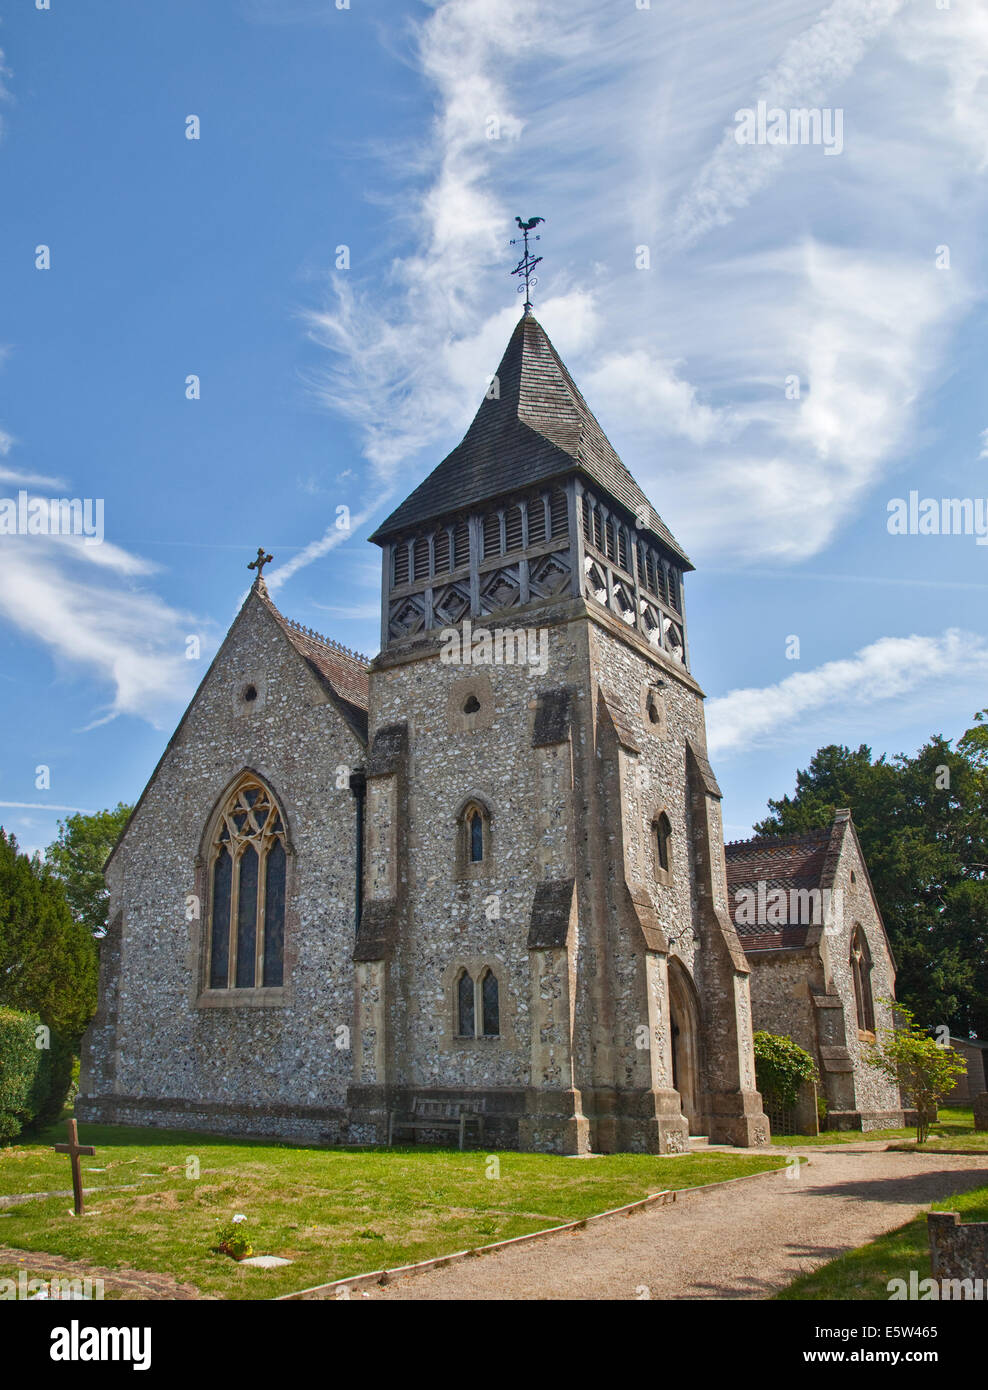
x=743, y=1241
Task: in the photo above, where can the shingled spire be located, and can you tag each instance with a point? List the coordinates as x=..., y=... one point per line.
x=532, y=507
x=533, y=425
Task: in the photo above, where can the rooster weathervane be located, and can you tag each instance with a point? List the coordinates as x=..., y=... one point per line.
x=528, y=262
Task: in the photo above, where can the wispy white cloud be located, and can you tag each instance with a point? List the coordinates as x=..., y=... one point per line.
x=893, y=668
x=15, y=478
x=5, y=93
x=858, y=334
x=82, y=603
x=653, y=393
x=18, y=477
x=611, y=116
x=357, y=612
x=329, y=540
x=809, y=70
x=954, y=42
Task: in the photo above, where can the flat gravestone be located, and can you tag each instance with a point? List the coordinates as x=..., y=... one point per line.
x=265, y=1261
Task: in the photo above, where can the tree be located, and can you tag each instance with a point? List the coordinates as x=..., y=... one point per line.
x=48, y=962
x=974, y=744
x=923, y=826
x=77, y=857
x=923, y=1070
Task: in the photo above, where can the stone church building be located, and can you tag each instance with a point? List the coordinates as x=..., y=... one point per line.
x=822, y=969
x=485, y=869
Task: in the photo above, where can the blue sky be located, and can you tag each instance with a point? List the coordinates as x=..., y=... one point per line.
x=413, y=134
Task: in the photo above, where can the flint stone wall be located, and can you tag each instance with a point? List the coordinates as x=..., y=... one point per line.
x=958, y=1250
x=159, y=1038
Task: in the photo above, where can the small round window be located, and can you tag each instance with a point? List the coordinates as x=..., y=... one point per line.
x=250, y=694
x=472, y=705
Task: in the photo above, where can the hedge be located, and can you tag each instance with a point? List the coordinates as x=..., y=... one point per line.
x=34, y=1081
x=20, y=1065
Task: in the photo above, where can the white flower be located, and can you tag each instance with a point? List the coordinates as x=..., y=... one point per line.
x=239, y=1217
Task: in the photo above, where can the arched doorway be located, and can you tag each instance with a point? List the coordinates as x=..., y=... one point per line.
x=684, y=1017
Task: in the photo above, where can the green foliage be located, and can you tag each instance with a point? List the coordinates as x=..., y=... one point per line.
x=21, y=1088
x=77, y=857
x=58, y=1062
x=781, y=1067
x=233, y=1242
x=48, y=963
x=35, y=1073
x=974, y=744
x=923, y=826
x=924, y=1071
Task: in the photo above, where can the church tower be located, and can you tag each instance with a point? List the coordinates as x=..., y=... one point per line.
x=544, y=936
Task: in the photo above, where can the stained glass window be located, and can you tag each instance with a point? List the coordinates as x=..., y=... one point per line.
x=861, y=972
x=222, y=879
x=476, y=837
x=489, y=1001
x=464, y=1006
x=248, y=879
x=274, y=916
x=247, y=919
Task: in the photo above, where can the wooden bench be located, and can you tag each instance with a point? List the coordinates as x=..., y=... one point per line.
x=453, y=1115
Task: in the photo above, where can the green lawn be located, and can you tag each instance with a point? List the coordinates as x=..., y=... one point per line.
x=864, y=1273
x=954, y=1129
x=334, y=1212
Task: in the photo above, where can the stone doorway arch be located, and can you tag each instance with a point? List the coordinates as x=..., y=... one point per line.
x=684, y=1019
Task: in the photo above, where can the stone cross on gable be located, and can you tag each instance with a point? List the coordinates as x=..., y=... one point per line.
x=73, y=1148
x=260, y=562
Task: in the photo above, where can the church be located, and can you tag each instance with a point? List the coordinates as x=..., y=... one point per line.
x=480, y=877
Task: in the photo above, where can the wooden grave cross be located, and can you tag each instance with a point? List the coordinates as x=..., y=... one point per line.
x=73, y=1148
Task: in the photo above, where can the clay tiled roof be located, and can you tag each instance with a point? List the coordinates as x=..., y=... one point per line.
x=343, y=671
x=786, y=862
x=538, y=427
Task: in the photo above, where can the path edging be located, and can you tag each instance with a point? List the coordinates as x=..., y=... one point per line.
x=386, y=1276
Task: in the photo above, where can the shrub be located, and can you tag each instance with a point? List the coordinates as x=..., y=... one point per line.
x=233, y=1242
x=781, y=1067
x=54, y=1079
x=49, y=964
x=21, y=1072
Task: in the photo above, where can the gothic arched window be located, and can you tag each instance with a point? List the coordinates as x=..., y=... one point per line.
x=490, y=1005
x=861, y=975
x=474, y=850
x=465, y=1012
x=477, y=1004
x=247, y=875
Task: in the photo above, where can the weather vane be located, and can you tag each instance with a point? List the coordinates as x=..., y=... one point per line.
x=528, y=262
x=260, y=562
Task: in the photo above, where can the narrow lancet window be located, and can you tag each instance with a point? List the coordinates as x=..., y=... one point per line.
x=489, y=1003
x=464, y=1006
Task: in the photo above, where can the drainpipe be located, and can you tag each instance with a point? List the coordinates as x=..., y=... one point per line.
x=358, y=785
